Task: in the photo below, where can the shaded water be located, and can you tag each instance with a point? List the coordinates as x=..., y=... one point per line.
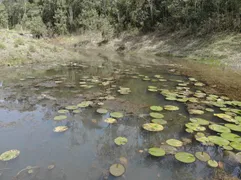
x=86, y=151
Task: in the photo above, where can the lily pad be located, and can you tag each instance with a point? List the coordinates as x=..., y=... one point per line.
x=102, y=111
x=117, y=115
x=63, y=111
x=185, y=157
x=110, y=120
x=152, y=87
x=61, y=129
x=85, y=104
x=202, y=156
x=174, y=142
x=231, y=137
x=209, y=110
x=152, y=90
x=9, y=155
x=156, y=108
x=157, y=152
x=171, y=108
x=219, y=128
x=71, y=107
x=233, y=127
x=156, y=115
x=76, y=111
x=213, y=163
x=225, y=117
x=195, y=111
x=117, y=170
x=60, y=118
x=159, y=121
x=218, y=140
x=195, y=127
x=236, y=145
x=199, y=84
x=152, y=127
x=229, y=148
x=124, y=90
x=199, y=121
x=120, y=141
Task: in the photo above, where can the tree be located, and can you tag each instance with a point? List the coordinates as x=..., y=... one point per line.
x=3, y=17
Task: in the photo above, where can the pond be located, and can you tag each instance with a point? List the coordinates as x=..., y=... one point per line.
x=81, y=100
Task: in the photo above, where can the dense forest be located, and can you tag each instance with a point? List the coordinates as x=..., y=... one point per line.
x=111, y=17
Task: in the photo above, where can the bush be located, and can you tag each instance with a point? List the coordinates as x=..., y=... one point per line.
x=36, y=26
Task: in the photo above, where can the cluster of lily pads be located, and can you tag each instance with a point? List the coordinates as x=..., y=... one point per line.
x=198, y=103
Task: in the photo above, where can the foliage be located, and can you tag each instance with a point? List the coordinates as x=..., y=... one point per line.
x=115, y=16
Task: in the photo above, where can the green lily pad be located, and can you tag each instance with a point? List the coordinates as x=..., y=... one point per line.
x=171, y=98
x=213, y=163
x=102, y=111
x=157, y=152
x=209, y=110
x=60, y=118
x=9, y=155
x=195, y=111
x=116, y=115
x=124, y=90
x=233, y=127
x=199, y=121
x=195, y=127
x=185, y=157
x=157, y=76
x=199, y=84
x=225, y=117
x=174, y=142
x=152, y=127
x=120, y=141
x=110, y=120
x=159, y=121
x=202, y=156
x=63, y=111
x=189, y=130
x=229, y=148
x=152, y=87
x=61, y=129
x=218, y=140
x=152, y=90
x=238, y=118
x=156, y=108
x=76, y=111
x=156, y=115
x=71, y=107
x=171, y=108
x=236, y=145
x=201, y=138
x=219, y=128
x=85, y=104
x=192, y=79
x=117, y=170
x=231, y=137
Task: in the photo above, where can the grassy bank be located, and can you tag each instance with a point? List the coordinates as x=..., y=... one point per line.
x=20, y=48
